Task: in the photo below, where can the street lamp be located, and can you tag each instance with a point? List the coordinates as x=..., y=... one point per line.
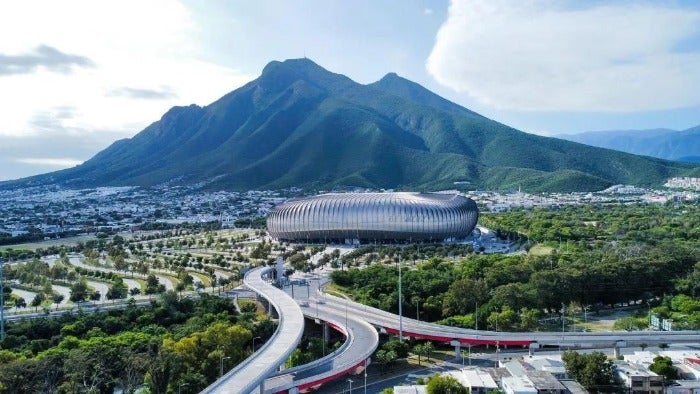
x=365, y=371
x=400, y=307
x=221, y=364
x=350, y=383
x=254, y=343
x=179, y=388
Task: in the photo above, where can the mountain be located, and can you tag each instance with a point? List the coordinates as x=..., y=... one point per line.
x=662, y=143
x=301, y=125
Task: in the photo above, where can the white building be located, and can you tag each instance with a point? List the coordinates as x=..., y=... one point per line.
x=476, y=380
x=638, y=379
x=518, y=385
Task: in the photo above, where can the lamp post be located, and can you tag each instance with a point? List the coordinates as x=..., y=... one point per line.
x=350, y=383
x=365, y=373
x=469, y=347
x=400, y=307
x=254, y=343
x=221, y=364
x=179, y=388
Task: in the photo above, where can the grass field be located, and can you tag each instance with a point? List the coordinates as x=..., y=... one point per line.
x=541, y=250
x=51, y=242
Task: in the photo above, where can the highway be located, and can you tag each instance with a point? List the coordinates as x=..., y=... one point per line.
x=389, y=322
x=252, y=372
x=362, y=340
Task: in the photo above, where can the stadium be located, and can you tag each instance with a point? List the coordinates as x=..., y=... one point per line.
x=373, y=218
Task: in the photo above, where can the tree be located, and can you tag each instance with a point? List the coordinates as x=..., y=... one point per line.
x=153, y=285
x=463, y=296
x=95, y=296
x=398, y=347
x=57, y=299
x=298, y=357
x=385, y=358
x=593, y=371
x=429, y=349
x=79, y=291
x=420, y=350
x=118, y=290
x=20, y=303
x=120, y=264
x=664, y=366
x=39, y=298
x=444, y=385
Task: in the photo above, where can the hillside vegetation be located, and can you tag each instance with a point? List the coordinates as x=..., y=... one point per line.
x=299, y=125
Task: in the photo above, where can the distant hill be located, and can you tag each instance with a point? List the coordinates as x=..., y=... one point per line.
x=301, y=125
x=662, y=143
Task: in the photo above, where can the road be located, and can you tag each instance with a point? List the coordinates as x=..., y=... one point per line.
x=252, y=372
x=413, y=328
x=361, y=341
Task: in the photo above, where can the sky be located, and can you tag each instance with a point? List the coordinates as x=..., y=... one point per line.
x=76, y=75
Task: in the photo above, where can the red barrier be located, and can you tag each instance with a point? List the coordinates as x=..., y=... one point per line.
x=465, y=341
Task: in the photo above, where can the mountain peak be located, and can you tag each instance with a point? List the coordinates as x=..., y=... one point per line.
x=278, y=74
x=300, y=64
x=395, y=84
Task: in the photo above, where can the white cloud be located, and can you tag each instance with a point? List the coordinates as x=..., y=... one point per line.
x=537, y=55
x=136, y=46
x=45, y=161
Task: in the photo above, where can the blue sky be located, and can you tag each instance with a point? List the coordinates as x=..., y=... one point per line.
x=81, y=74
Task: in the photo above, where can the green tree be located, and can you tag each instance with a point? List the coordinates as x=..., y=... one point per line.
x=298, y=357
x=57, y=299
x=385, y=358
x=593, y=371
x=463, y=296
x=20, y=303
x=444, y=385
x=664, y=366
x=398, y=347
x=118, y=290
x=38, y=299
x=79, y=291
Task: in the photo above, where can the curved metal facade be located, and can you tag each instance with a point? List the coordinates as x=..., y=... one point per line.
x=374, y=217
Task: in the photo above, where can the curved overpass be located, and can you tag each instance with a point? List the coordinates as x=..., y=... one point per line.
x=253, y=371
x=362, y=340
x=389, y=322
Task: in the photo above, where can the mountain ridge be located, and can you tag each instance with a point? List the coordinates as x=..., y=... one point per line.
x=301, y=125
x=676, y=145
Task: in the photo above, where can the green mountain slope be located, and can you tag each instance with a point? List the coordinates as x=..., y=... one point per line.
x=301, y=125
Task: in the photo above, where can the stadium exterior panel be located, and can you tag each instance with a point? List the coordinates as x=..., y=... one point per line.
x=373, y=217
